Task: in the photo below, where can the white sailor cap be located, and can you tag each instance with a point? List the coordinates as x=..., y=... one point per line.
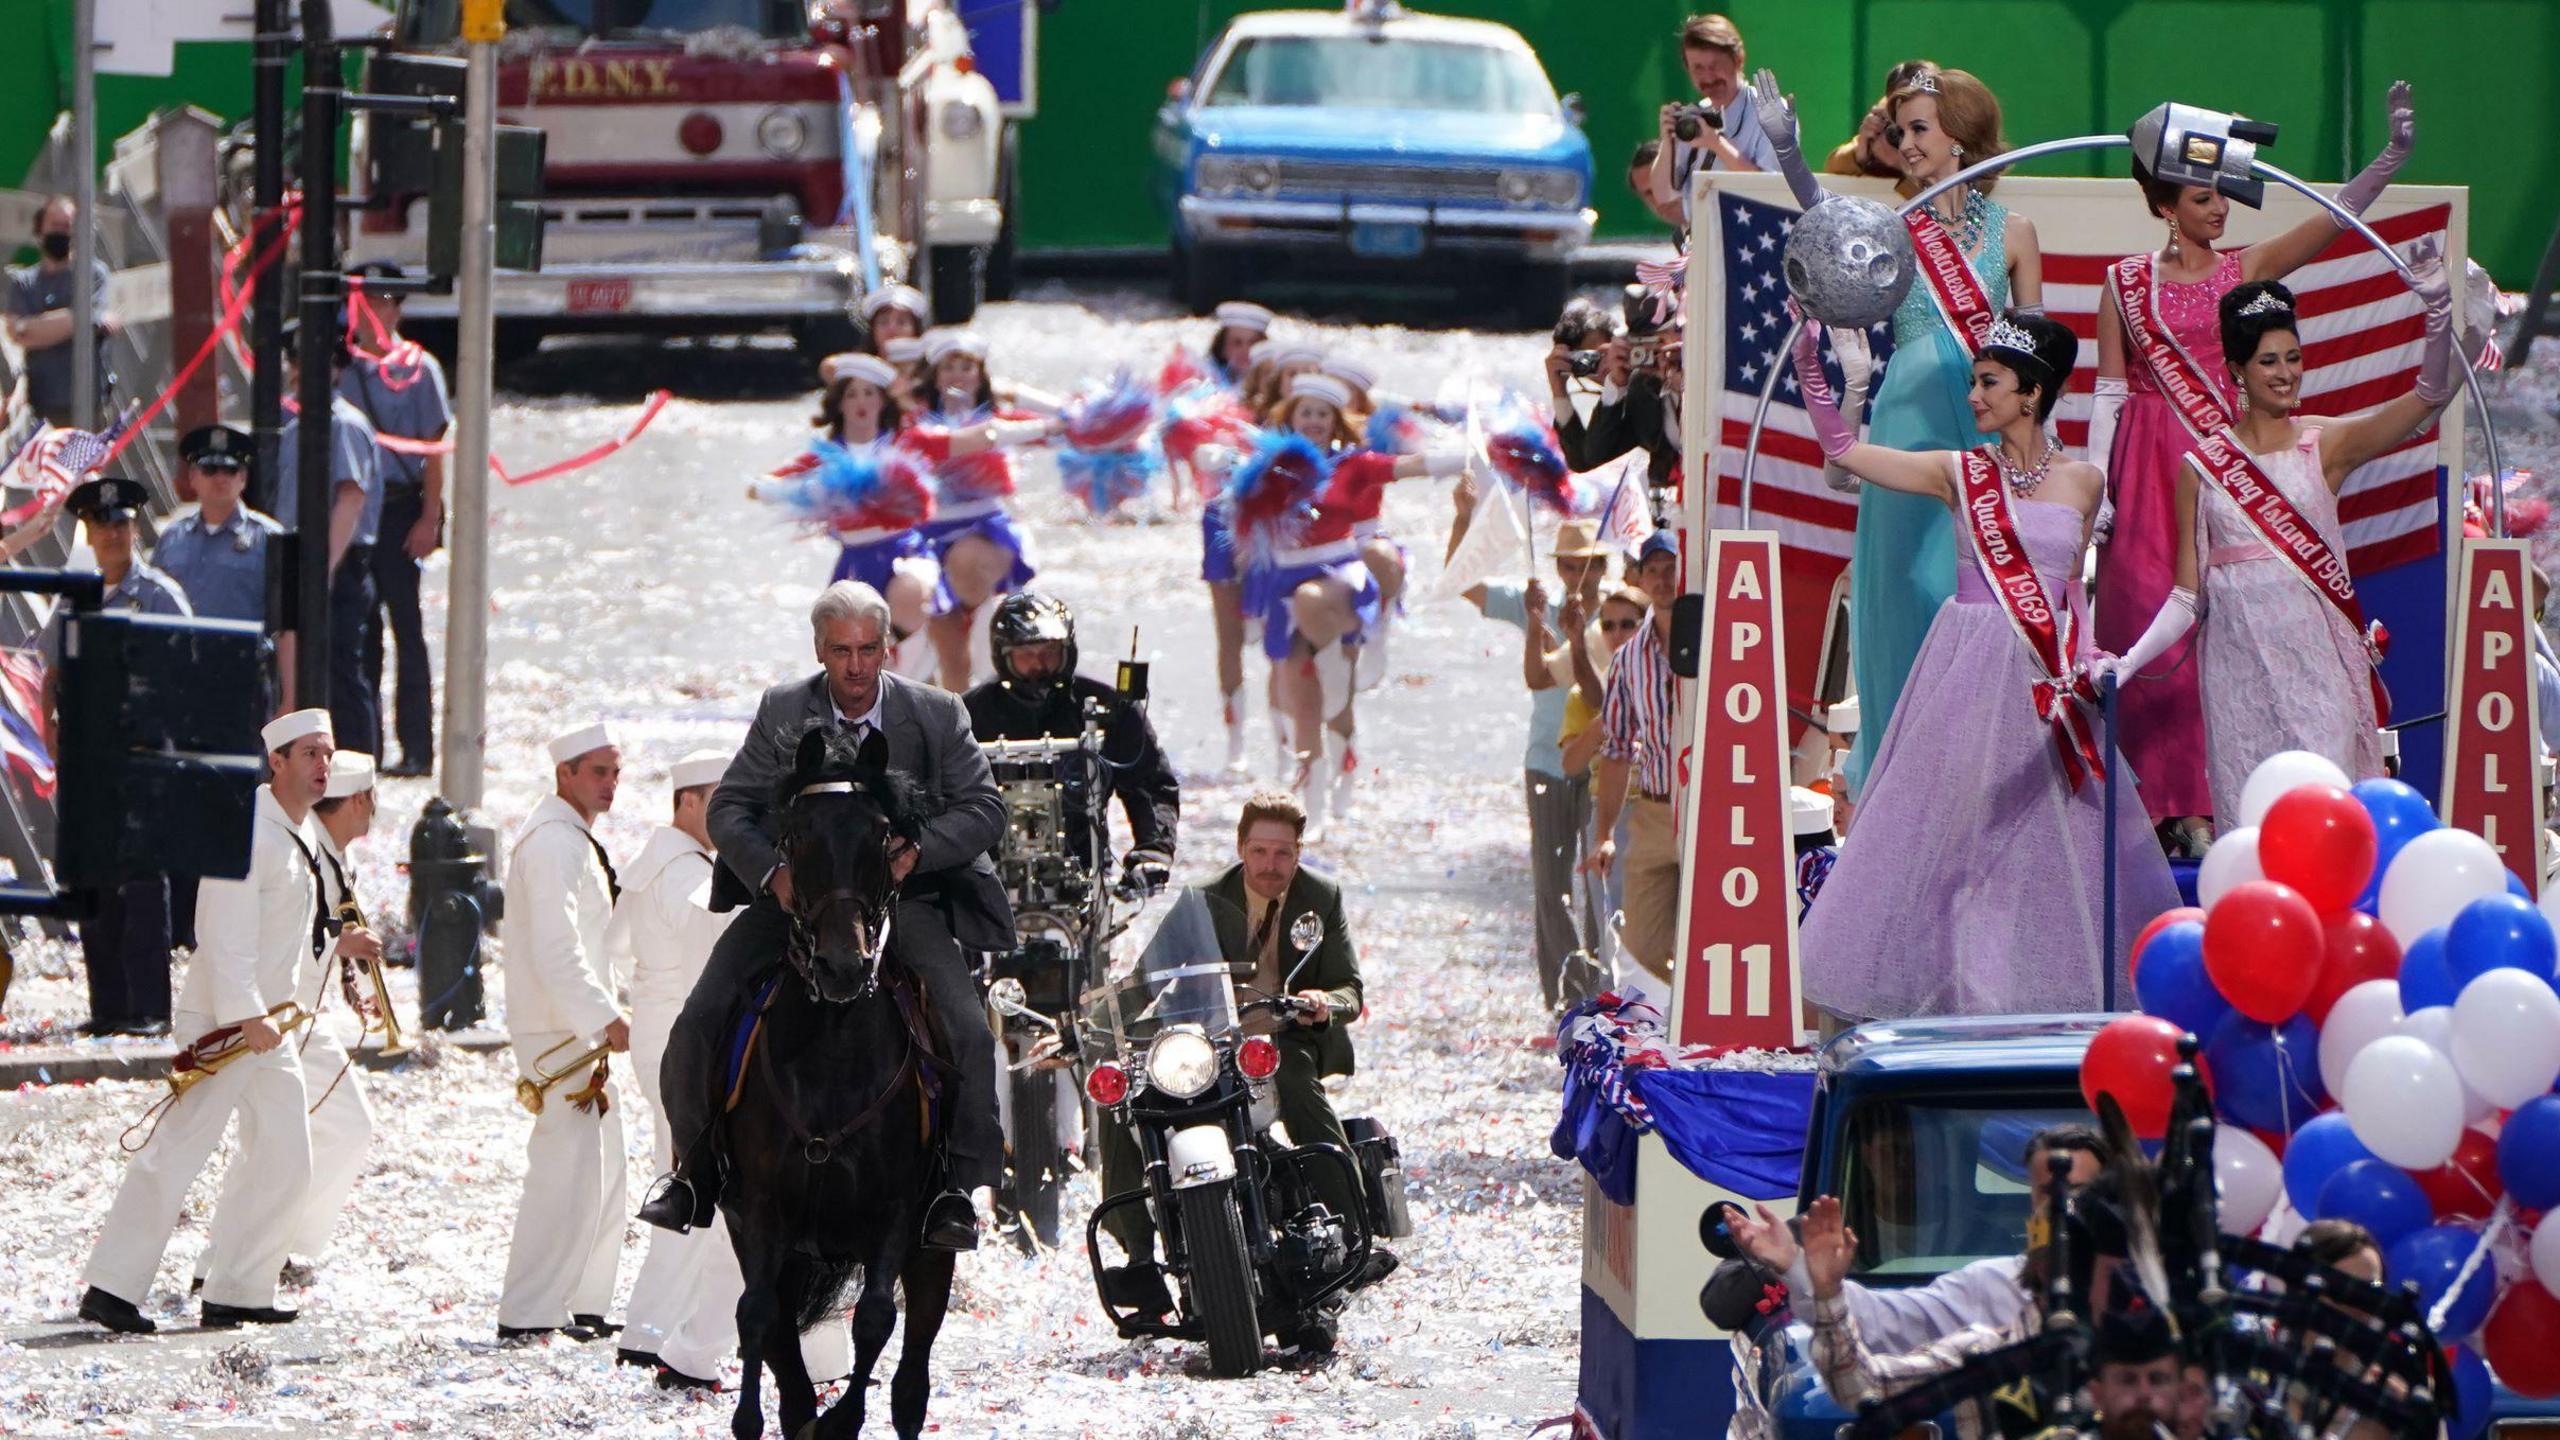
x=1243, y=315
x=1297, y=352
x=941, y=344
x=854, y=365
x=1315, y=385
x=350, y=773
x=702, y=767
x=568, y=745
x=905, y=297
x=1808, y=811
x=1262, y=351
x=1350, y=372
x=285, y=729
x=1842, y=717
x=903, y=349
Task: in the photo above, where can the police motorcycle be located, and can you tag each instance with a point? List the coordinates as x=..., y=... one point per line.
x=1254, y=1250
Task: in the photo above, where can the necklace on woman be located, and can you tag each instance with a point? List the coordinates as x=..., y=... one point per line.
x=2023, y=479
x=1968, y=220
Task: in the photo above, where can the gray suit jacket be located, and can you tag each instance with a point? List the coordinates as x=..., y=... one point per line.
x=930, y=743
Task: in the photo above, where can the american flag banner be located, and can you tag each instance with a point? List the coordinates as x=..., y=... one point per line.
x=21, y=738
x=2362, y=333
x=51, y=462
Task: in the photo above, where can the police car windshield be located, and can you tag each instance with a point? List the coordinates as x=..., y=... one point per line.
x=770, y=19
x=1350, y=72
x=1931, y=1182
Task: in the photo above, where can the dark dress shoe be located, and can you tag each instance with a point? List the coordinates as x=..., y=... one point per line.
x=115, y=1313
x=625, y=1355
x=596, y=1326
x=231, y=1317
x=951, y=1223
x=1138, y=1288
x=148, y=1029
x=676, y=1204
x=670, y=1378
x=409, y=769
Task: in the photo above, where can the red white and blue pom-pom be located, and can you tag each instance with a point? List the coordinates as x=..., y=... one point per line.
x=1273, y=494
x=1107, y=479
x=1522, y=448
x=1114, y=416
x=1401, y=429
x=1182, y=367
x=846, y=488
x=1199, y=414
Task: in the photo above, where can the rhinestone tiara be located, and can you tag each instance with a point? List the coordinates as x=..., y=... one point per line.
x=2007, y=335
x=2266, y=302
x=1925, y=83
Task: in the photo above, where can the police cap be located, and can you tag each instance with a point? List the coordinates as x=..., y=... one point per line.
x=216, y=447
x=106, y=500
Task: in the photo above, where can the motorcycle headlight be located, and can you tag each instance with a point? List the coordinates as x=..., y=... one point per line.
x=780, y=132
x=1182, y=1063
x=961, y=120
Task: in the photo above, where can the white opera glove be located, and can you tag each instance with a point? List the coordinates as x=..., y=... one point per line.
x=1010, y=434
x=2102, y=444
x=2177, y=616
x=1442, y=461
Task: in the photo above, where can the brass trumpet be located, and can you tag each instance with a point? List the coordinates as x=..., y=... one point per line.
x=220, y=1046
x=382, y=1019
x=533, y=1090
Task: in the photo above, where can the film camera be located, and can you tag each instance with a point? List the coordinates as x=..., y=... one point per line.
x=1653, y=341
x=1691, y=121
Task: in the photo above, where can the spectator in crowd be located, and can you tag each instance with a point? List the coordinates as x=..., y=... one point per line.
x=404, y=395
x=1559, y=802
x=1638, y=406
x=1817, y=846
x=1640, y=180
x=1622, y=613
x=1637, y=747
x=39, y=314
x=1871, y=152
x=345, y=538
x=1728, y=123
x=125, y=945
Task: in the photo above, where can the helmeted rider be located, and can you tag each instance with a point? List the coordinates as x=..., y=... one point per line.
x=1037, y=695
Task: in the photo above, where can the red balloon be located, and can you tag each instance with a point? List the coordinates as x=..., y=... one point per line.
x=2162, y=921
x=2319, y=840
x=2466, y=1186
x=2355, y=948
x=2517, y=1341
x=2132, y=1059
x=2262, y=946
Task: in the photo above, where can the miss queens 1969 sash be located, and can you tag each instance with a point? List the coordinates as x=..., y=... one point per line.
x=1951, y=281
x=2288, y=533
x=1982, y=499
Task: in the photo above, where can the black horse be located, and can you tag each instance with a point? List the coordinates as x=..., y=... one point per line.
x=830, y=1157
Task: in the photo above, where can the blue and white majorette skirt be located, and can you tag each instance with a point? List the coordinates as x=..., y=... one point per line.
x=875, y=556
x=989, y=521
x=1267, y=592
x=1217, y=547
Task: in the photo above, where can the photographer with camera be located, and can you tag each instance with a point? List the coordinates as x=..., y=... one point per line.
x=1721, y=129
x=1634, y=360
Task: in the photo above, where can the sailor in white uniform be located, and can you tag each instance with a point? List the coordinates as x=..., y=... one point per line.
x=560, y=1005
x=340, y=1120
x=683, y=1315
x=254, y=938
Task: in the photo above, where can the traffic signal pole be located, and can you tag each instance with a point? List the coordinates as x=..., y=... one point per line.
x=466, y=645
x=272, y=52
x=322, y=286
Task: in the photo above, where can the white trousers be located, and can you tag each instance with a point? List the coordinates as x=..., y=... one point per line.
x=341, y=1130
x=684, y=1305
x=256, y=1221
x=567, y=1243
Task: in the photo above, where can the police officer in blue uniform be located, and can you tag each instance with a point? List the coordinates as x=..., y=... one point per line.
x=343, y=539
x=219, y=551
x=405, y=400
x=125, y=946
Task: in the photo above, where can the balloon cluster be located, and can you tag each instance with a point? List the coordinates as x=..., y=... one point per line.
x=2378, y=1006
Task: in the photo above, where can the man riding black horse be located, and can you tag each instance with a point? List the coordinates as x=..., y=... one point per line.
x=949, y=898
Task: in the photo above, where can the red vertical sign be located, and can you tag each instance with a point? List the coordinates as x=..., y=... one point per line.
x=2493, y=747
x=1734, y=978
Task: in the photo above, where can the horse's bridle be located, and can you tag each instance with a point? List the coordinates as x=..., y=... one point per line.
x=800, y=949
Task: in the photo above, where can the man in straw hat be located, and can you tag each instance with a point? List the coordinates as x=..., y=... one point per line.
x=340, y=1120
x=561, y=889
x=254, y=938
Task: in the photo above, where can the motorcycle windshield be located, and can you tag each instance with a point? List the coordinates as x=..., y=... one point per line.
x=1181, y=977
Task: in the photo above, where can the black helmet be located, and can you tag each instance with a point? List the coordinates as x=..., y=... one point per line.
x=1027, y=617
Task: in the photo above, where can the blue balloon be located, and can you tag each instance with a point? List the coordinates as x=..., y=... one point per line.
x=2473, y=1394
x=2529, y=1153
x=2400, y=814
x=2266, y=1077
x=2324, y=1145
x=2426, y=975
x=2495, y=931
x=2515, y=886
x=2379, y=1196
x=2173, y=985
x=2434, y=1257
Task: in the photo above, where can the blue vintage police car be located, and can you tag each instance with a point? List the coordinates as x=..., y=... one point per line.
x=1372, y=141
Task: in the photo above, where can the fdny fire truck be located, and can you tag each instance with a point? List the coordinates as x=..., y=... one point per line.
x=728, y=166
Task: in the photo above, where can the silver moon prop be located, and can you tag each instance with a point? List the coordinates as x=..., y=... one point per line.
x=1849, y=261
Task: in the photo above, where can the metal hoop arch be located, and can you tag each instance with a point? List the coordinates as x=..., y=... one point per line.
x=2346, y=219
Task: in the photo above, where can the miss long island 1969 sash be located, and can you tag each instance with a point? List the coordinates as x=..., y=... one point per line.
x=2288, y=533
x=1982, y=498
x=1961, y=299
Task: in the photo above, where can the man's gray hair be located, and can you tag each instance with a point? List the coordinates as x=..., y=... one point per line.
x=848, y=600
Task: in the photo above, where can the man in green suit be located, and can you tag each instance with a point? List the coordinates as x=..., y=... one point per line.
x=1256, y=901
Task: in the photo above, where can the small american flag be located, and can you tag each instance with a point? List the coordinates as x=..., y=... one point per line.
x=2362, y=333
x=1627, y=518
x=53, y=461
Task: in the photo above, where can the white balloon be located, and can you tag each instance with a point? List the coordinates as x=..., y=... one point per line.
x=2363, y=1015
x=2506, y=1036
x=2550, y=903
x=2248, y=1177
x=2434, y=1025
x=2279, y=774
x=2229, y=863
x=2545, y=1251
x=2433, y=877
x=2404, y=1101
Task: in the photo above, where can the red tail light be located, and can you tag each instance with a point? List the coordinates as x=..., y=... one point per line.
x=1258, y=1057
x=699, y=133
x=1108, y=1084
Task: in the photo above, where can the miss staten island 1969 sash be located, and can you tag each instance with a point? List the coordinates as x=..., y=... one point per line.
x=1982, y=499
x=2289, y=534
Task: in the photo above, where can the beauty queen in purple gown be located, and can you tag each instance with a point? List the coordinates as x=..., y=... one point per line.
x=1971, y=881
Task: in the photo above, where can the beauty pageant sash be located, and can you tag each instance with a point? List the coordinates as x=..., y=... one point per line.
x=2061, y=690
x=1962, y=302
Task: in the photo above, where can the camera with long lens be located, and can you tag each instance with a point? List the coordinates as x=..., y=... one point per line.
x=1690, y=121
